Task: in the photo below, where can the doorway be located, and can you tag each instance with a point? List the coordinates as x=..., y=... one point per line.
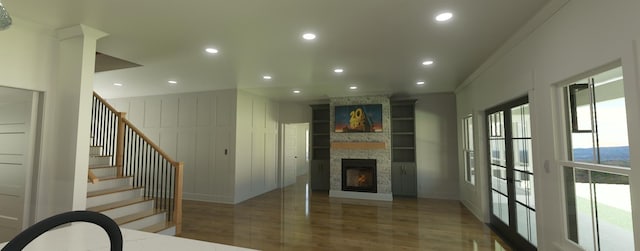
x=512, y=197
x=18, y=123
x=295, y=152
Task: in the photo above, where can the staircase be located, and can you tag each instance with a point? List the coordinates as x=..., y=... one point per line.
x=130, y=179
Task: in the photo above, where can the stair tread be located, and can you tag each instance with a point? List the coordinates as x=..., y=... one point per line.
x=111, y=190
x=118, y=204
x=133, y=217
x=112, y=178
x=158, y=227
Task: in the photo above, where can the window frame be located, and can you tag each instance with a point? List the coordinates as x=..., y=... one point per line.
x=468, y=149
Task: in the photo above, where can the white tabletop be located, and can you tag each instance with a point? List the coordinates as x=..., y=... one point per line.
x=87, y=236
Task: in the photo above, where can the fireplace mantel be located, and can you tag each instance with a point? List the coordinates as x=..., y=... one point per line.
x=357, y=145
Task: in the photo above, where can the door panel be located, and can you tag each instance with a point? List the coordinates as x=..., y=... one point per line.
x=15, y=122
x=511, y=173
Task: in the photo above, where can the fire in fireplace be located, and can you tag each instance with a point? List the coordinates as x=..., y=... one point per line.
x=359, y=175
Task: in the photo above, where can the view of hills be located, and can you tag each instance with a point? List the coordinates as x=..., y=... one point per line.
x=617, y=155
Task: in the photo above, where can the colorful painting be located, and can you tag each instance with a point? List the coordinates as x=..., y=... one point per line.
x=358, y=118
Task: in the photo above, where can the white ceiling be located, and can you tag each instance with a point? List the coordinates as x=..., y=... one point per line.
x=379, y=43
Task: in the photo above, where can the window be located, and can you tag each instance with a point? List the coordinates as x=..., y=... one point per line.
x=596, y=172
x=467, y=150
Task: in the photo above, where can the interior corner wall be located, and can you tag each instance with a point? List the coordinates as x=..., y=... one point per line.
x=579, y=37
x=436, y=146
x=256, y=146
x=29, y=61
x=197, y=129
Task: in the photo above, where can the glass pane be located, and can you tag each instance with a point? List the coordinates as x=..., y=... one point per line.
x=501, y=207
x=526, y=219
x=522, y=155
x=611, y=120
x=520, y=122
x=613, y=207
x=599, y=210
x=582, y=148
x=524, y=189
x=470, y=166
x=534, y=228
x=498, y=154
x=499, y=179
x=496, y=122
x=581, y=107
x=469, y=132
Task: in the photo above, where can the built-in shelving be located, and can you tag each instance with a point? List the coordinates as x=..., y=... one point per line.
x=320, y=147
x=403, y=148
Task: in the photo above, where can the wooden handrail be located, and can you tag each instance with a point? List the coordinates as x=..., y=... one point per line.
x=111, y=108
x=150, y=142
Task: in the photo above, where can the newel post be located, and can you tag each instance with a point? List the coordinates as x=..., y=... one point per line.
x=177, y=197
x=120, y=143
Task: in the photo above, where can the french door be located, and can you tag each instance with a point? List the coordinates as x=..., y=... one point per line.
x=513, y=210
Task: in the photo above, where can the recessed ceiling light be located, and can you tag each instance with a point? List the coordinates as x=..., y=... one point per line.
x=420, y=83
x=266, y=77
x=211, y=50
x=296, y=91
x=428, y=62
x=309, y=36
x=444, y=16
x=173, y=82
x=338, y=70
x=117, y=84
x=353, y=87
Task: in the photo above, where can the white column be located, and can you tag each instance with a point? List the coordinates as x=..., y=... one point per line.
x=73, y=97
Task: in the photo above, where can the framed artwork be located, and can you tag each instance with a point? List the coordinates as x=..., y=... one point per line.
x=358, y=118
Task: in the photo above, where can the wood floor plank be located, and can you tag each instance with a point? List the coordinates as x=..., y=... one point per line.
x=289, y=219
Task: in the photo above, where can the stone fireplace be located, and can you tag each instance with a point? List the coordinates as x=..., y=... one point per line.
x=359, y=182
x=359, y=175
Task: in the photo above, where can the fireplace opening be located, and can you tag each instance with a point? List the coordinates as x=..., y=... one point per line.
x=359, y=175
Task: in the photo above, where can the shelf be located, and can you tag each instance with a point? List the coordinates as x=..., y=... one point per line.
x=402, y=118
x=358, y=145
x=402, y=133
x=403, y=148
x=320, y=121
x=320, y=147
x=320, y=134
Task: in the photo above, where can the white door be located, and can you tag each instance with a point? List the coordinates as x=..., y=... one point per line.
x=15, y=158
x=290, y=157
x=302, y=152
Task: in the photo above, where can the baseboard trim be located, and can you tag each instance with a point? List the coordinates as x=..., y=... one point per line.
x=207, y=198
x=361, y=196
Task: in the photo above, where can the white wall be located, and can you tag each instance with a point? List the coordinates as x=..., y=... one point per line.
x=436, y=146
x=194, y=128
x=256, y=146
x=580, y=36
x=31, y=59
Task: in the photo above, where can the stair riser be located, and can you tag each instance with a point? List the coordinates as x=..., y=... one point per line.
x=99, y=160
x=105, y=172
x=145, y=222
x=113, y=197
x=108, y=184
x=130, y=209
x=95, y=150
x=169, y=231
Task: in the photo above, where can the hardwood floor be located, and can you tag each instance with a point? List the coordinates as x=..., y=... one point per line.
x=292, y=219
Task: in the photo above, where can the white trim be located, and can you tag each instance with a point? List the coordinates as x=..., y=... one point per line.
x=361, y=195
x=597, y=167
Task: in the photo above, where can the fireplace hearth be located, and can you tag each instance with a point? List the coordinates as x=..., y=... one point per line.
x=359, y=175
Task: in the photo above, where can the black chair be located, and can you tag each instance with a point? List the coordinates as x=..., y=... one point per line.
x=29, y=234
